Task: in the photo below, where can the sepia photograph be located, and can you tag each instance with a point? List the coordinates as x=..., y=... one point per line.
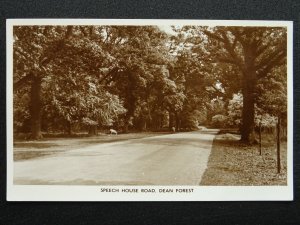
x=149, y=110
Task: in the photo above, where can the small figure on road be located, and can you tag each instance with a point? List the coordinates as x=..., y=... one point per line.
x=173, y=129
x=112, y=131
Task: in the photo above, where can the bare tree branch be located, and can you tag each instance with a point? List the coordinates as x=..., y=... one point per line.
x=230, y=47
x=260, y=50
x=212, y=35
x=272, y=57
x=276, y=61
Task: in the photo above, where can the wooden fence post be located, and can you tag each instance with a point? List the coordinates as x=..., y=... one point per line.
x=259, y=138
x=278, y=145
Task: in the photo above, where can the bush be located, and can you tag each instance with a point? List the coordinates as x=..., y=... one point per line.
x=219, y=121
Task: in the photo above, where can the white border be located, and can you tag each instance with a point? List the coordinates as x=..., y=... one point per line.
x=93, y=193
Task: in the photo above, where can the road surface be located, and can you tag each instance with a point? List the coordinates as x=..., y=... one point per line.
x=174, y=159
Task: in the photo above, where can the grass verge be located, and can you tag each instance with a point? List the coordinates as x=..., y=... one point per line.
x=237, y=164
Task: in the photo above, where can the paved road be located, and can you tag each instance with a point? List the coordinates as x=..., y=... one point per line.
x=175, y=159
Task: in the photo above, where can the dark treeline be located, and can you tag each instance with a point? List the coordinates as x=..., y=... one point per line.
x=84, y=78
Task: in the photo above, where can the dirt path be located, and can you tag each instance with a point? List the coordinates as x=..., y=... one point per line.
x=176, y=159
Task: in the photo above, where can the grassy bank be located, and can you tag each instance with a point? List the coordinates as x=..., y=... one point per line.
x=233, y=163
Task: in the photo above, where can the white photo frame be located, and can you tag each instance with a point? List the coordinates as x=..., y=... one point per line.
x=159, y=193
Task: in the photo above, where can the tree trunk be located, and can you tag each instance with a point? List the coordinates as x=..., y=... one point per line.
x=93, y=130
x=247, y=130
x=171, y=120
x=128, y=119
x=69, y=127
x=36, y=108
x=125, y=128
x=248, y=90
x=145, y=127
x=176, y=121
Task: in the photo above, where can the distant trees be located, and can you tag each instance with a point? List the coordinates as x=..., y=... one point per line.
x=194, y=80
x=139, y=75
x=262, y=118
x=234, y=110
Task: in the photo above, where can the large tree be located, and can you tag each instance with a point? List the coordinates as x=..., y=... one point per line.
x=31, y=63
x=254, y=51
x=63, y=63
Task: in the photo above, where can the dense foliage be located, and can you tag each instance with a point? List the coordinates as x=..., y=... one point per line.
x=82, y=78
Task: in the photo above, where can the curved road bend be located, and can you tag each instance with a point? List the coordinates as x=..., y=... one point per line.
x=174, y=159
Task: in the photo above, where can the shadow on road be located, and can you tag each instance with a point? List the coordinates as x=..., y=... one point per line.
x=208, y=131
x=184, y=142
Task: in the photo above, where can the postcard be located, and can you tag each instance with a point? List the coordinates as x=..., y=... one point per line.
x=149, y=110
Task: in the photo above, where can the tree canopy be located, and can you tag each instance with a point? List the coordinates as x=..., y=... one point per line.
x=142, y=78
